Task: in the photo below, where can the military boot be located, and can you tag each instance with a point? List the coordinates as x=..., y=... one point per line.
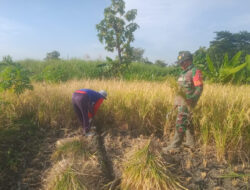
x=189, y=138
x=175, y=145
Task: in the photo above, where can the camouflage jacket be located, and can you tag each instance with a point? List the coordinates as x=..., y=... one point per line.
x=190, y=83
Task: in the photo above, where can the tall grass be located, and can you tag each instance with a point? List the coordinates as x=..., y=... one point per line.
x=64, y=70
x=221, y=117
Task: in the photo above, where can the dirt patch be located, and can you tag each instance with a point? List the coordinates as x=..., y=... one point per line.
x=194, y=170
x=32, y=176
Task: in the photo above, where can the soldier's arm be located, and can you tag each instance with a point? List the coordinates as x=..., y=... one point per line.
x=195, y=96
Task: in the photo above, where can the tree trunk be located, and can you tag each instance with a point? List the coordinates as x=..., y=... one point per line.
x=119, y=54
x=118, y=49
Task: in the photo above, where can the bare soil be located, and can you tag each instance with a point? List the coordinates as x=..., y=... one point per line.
x=195, y=170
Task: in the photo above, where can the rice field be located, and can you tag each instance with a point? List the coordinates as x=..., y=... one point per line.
x=221, y=119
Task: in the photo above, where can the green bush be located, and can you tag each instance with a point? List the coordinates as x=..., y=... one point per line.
x=63, y=70
x=14, y=77
x=230, y=70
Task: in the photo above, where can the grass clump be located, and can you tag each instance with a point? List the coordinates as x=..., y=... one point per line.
x=77, y=170
x=65, y=177
x=68, y=180
x=146, y=170
x=72, y=147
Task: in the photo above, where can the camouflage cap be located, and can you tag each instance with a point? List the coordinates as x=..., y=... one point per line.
x=184, y=56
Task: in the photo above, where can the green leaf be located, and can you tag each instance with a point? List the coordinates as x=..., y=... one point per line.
x=130, y=15
x=210, y=64
x=236, y=59
x=225, y=73
x=248, y=62
x=225, y=61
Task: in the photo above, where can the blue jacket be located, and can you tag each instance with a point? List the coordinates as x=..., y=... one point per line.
x=95, y=98
x=93, y=95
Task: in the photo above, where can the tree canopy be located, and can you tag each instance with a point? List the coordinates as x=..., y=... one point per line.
x=230, y=43
x=52, y=55
x=117, y=28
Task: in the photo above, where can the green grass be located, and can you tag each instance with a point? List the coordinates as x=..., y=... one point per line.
x=139, y=71
x=18, y=144
x=235, y=175
x=64, y=70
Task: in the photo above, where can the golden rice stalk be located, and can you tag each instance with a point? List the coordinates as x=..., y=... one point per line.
x=146, y=170
x=73, y=147
x=64, y=177
x=175, y=87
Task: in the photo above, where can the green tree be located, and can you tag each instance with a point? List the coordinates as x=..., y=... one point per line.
x=160, y=63
x=52, y=55
x=137, y=54
x=199, y=58
x=14, y=77
x=230, y=43
x=116, y=30
x=147, y=61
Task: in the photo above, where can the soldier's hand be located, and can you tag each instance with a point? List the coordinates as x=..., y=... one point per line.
x=189, y=103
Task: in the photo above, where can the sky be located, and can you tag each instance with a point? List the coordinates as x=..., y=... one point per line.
x=32, y=28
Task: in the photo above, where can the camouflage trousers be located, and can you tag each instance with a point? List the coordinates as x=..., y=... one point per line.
x=183, y=120
x=183, y=127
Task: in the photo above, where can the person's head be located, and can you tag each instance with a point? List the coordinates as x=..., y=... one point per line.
x=103, y=93
x=184, y=59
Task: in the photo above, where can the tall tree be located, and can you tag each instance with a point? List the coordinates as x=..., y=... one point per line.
x=199, y=58
x=117, y=28
x=137, y=54
x=230, y=43
x=52, y=55
x=160, y=63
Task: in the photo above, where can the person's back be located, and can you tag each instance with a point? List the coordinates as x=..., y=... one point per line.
x=86, y=102
x=93, y=95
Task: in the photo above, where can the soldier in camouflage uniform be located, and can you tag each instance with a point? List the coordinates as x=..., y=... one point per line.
x=191, y=86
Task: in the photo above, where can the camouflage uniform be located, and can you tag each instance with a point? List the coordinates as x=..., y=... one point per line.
x=191, y=86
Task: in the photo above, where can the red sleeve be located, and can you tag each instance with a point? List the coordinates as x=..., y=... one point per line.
x=96, y=107
x=90, y=115
x=197, y=79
